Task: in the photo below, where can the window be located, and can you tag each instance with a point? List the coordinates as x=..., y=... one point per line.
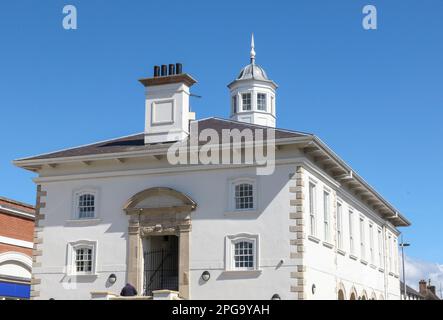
x=244, y=196
x=380, y=248
x=339, y=226
x=234, y=104
x=261, y=101
x=312, y=199
x=362, y=239
x=326, y=215
x=389, y=253
x=83, y=260
x=371, y=242
x=242, y=252
x=272, y=104
x=351, y=232
x=395, y=247
x=86, y=206
x=246, y=101
x=81, y=257
x=244, y=255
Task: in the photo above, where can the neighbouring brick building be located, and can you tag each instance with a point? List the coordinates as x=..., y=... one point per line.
x=16, y=245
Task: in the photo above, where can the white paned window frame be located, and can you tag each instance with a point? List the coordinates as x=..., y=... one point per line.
x=80, y=207
x=236, y=194
x=339, y=225
x=389, y=246
x=234, y=104
x=312, y=208
x=362, y=238
x=371, y=242
x=73, y=263
x=380, y=248
x=351, y=232
x=246, y=101
x=239, y=260
x=262, y=101
x=326, y=215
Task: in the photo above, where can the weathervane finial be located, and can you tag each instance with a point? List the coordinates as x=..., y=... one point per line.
x=252, y=49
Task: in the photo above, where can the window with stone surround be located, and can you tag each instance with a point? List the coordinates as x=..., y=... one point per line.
x=242, y=252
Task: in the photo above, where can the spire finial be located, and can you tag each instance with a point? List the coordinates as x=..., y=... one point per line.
x=252, y=49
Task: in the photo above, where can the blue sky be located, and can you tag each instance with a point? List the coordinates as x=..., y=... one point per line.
x=375, y=97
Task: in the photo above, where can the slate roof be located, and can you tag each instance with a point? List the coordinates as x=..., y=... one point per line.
x=136, y=142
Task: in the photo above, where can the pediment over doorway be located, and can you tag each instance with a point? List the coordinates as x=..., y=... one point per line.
x=159, y=200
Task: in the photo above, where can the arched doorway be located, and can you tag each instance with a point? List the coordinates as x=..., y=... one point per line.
x=364, y=295
x=353, y=295
x=341, y=294
x=159, y=219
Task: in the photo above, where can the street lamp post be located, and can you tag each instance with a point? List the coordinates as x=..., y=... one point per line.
x=402, y=245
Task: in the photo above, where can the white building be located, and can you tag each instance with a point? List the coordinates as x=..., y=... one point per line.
x=120, y=210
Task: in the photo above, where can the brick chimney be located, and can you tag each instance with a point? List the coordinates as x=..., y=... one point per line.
x=422, y=285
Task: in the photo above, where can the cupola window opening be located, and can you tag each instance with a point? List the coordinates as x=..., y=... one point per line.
x=261, y=101
x=234, y=104
x=246, y=101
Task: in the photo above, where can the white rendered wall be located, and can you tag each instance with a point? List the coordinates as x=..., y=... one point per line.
x=210, y=224
x=328, y=269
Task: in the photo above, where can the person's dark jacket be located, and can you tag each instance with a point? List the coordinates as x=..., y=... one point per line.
x=128, y=291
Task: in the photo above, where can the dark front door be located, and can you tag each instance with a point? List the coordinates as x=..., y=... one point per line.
x=161, y=270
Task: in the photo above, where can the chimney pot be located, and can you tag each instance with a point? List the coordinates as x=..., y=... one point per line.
x=171, y=69
x=156, y=71
x=178, y=68
x=164, y=70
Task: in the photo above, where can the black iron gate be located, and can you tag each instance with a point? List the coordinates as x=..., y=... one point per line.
x=161, y=270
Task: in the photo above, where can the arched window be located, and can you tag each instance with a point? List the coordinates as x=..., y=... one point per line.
x=244, y=196
x=82, y=258
x=341, y=295
x=85, y=204
x=244, y=256
x=242, y=252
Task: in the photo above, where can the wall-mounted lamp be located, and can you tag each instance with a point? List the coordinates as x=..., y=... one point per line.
x=275, y=297
x=206, y=276
x=112, y=278
x=313, y=288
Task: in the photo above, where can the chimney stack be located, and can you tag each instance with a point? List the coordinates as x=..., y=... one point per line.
x=167, y=110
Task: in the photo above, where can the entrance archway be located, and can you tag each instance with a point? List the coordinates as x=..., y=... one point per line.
x=353, y=295
x=158, y=212
x=341, y=294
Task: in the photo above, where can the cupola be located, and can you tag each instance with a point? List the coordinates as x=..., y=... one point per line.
x=253, y=94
